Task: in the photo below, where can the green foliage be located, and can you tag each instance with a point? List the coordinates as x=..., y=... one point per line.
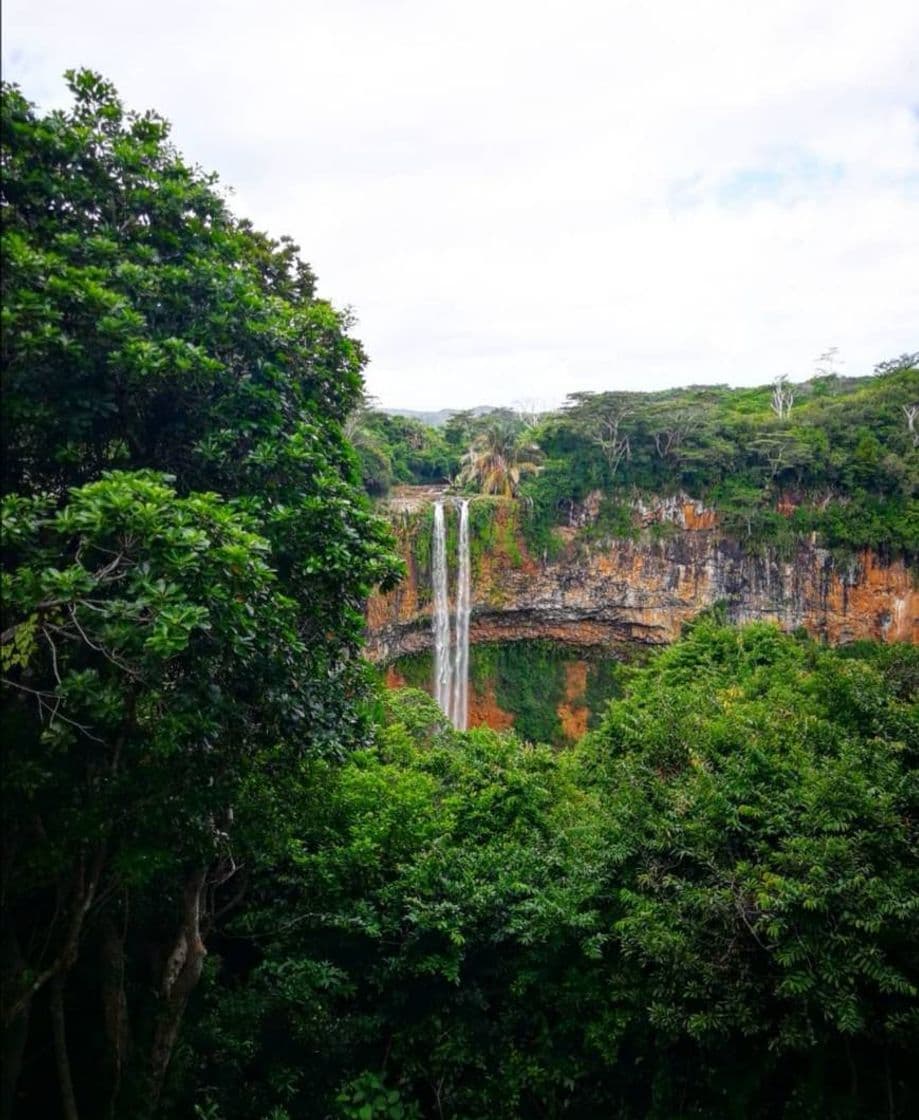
x=443, y=863
x=417, y=669
x=367, y=1098
x=605, y=681
x=707, y=908
x=845, y=456
x=398, y=449
x=758, y=790
x=487, y=452
x=493, y=528
x=615, y=518
x=498, y=458
x=527, y=681
x=157, y=634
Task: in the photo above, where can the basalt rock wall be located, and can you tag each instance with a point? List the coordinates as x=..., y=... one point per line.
x=602, y=592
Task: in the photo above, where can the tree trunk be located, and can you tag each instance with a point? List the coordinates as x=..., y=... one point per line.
x=58, y=1027
x=14, y=1045
x=180, y=976
x=16, y=1030
x=83, y=892
x=114, y=1007
x=888, y=1085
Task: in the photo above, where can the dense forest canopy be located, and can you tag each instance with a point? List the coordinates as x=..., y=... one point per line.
x=706, y=909
x=240, y=881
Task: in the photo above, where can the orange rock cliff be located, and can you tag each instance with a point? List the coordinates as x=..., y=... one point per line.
x=601, y=593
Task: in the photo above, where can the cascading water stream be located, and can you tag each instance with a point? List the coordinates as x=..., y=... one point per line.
x=442, y=673
x=460, y=710
x=451, y=658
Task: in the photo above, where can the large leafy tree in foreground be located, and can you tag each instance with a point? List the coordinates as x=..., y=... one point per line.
x=185, y=556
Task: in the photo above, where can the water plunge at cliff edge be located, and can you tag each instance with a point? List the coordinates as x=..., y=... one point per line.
x=451, y=657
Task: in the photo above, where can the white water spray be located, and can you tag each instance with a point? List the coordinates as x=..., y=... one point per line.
x=460, y=710
x=442, y=674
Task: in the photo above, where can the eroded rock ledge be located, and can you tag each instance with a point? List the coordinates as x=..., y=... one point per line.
x=606, y=592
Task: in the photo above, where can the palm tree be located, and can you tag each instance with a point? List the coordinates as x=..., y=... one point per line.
x=495, y=462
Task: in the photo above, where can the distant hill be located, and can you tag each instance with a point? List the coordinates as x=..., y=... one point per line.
x=438, y=419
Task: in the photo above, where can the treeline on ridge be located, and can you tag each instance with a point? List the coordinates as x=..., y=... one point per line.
x=842, y=454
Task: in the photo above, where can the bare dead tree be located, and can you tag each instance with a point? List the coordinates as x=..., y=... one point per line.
x=609, y=437
x=825, y=364
x=822, y=498
x=357, y=417
x=783, y=397
x=911, y=411
x=80, y=897
x=528, y=410
x=679, y=425
x=905, y=362
x=779, y=453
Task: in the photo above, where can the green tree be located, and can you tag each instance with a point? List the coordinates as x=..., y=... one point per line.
x=847, y=458
x=760, y=793
x=186, y=554
x=435, y=920
x=373, y=452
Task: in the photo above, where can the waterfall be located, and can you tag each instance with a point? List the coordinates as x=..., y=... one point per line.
x=451, y=665
x=442, y=674
x=460, y=710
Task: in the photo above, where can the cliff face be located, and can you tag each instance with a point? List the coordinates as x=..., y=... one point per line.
x=604, y=592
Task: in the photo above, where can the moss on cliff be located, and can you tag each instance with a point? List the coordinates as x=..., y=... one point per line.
x=526, y=681
x=605, y=682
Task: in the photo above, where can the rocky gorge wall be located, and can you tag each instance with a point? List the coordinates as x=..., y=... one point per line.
x=600, y=592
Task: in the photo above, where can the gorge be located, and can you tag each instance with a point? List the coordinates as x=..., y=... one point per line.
x=596, y=597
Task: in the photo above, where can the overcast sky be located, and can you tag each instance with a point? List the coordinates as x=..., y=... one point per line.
x=520, y=200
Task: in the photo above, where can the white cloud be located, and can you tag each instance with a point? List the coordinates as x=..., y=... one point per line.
x=524, y=199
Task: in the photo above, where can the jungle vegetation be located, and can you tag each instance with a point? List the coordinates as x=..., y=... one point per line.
x=833, y=456
x=240, y=882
